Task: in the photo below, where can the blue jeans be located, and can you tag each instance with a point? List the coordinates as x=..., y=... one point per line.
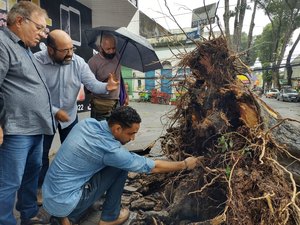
x=20, y=163
x=48, y=139
x=111, y=181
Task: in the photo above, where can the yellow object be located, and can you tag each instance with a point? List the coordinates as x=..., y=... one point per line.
x=244, y=78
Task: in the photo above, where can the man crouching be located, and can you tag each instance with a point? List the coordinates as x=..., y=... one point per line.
x=92, y=161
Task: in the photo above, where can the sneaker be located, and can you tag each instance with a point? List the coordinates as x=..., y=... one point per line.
x=39, y=197
x=124, y=215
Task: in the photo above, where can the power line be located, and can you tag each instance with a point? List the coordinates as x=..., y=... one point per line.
x=274, y=67
x=180, y=78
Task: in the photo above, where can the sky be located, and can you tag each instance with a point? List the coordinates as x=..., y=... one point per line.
x=182, y=11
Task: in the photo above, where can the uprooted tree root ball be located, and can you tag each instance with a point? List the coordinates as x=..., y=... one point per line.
x=240, y=180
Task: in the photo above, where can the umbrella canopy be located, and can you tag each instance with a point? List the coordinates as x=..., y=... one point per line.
x=135, y=51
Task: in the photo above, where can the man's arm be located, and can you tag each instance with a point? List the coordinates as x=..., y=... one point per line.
x=162, y=166
x=4, y=66
x=93, y=85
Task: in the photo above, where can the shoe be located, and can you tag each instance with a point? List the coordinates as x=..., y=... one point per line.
x=41, y=218
x=39, y=197
x=124, y=215
x=61, y=221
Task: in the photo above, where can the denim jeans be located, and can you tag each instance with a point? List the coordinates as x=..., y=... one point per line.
x=48, y=139
x=20, y=163
x=111, y=181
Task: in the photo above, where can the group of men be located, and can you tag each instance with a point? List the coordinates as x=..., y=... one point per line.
x=38, y=95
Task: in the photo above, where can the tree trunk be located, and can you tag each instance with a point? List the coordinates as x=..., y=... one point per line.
x=242, y=11
x=226, y=18
x=289, y=68
x=236, y=26
x=284, y=41
x=250, y=33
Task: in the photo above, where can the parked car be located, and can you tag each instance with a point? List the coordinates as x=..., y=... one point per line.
x=288, y=94
x=272, y=93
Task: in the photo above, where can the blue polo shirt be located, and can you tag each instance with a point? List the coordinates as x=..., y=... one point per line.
x=88, y=148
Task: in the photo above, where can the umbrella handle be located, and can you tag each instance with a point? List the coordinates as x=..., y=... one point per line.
x=121, y=53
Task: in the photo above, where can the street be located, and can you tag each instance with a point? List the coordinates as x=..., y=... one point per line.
x=285, y=109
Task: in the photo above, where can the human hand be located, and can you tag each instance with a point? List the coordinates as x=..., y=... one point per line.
x=192, y=162
x=62, y=116
x=112, y=82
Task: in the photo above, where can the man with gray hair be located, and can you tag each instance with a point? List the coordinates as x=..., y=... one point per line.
x=103, y=65
x=28, y=114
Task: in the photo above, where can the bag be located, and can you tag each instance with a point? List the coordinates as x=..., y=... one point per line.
x=123, y=93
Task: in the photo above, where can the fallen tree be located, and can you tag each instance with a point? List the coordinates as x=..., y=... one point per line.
x=247, y=174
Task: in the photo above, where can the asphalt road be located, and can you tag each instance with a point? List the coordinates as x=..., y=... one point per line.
x=285, y=109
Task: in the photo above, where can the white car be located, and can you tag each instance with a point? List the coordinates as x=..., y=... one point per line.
x=272, y=93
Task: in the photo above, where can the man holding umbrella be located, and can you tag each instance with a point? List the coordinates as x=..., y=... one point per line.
x=103, y=65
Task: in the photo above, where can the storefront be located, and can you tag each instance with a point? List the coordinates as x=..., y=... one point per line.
x=75, y=17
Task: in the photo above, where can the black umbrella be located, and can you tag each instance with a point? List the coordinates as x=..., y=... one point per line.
x=135, y=51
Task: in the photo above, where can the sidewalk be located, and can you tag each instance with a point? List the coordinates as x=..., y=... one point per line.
x=153, y=125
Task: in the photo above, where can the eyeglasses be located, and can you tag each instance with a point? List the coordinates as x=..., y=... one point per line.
x=66, y=50
x=41, y=29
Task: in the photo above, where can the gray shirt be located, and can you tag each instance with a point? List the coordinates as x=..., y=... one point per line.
x=25, y=94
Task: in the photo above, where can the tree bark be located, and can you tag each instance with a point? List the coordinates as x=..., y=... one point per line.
x=236, y=25
x=289, y=68
x=226, y=18
x=250, y=33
